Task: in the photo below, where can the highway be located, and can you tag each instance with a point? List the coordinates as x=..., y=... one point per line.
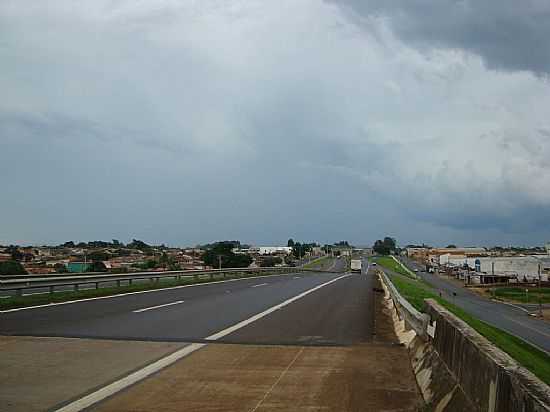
x=191, y=314
x=250, y=335
x=512, y=319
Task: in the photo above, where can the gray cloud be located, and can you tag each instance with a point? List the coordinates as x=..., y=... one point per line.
x=190, y=122
x=508, y=34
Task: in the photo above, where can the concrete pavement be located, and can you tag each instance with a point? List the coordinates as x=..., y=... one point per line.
x=37, y=374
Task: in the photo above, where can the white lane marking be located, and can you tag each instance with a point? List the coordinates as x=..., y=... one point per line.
x=141, y=374
x=283, y=373
x=296, y=277
x=131, y=379
x=261, y=284
x=266, y=312
x=158, y=306
x=137, y=293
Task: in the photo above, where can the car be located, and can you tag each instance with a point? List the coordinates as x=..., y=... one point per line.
x=416, y=270
x=374, y=264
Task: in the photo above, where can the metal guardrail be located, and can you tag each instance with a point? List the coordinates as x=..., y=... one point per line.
x=413, y=318
x=10, y=284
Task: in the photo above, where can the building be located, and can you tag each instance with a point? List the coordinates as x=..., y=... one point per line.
x=442, y=256
x=4, y=257
x=521, y=268
x=274, y=250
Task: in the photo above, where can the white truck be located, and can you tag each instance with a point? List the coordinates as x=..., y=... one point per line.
x=356, y=265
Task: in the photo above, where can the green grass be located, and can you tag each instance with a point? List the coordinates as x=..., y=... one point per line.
x=43, y=299
x=519, y=295
x=535, y=360
x=320, y=263
x=389, y=263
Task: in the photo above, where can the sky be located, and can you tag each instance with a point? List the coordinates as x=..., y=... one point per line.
x=184, y=122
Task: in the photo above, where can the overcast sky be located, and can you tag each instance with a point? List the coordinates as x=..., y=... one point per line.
x=183, y=122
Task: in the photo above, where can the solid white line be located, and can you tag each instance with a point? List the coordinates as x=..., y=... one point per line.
x=141, y=374
x=261, y=284
x=158, y=306
x=131, y=379
x=260, y=315
x=137, y=293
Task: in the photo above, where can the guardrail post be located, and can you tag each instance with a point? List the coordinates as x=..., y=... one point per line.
x=97, y=285
x=76, y=287
x=211, y=276
x=129, y=282
x=196, y=277
x=51, y=289
x=118, y=283
x=19, y=292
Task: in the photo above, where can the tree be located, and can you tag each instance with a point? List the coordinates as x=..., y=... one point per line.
x=451, y=247
x=270, y=261
x=390, y=243
x=97, y=256
x=60, y=268
x=380, y=248
x=139, y=245
x=290, y=242
x=224, y=251
x=98, y=267
x=384, y=247
x=12, y=268
x=15, y=253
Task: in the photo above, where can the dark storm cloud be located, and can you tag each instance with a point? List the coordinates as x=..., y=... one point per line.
x=507, y=34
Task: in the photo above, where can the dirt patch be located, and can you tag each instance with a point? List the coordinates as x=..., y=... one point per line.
x=383, y=324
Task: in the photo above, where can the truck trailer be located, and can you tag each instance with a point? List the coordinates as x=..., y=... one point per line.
x=356, y=265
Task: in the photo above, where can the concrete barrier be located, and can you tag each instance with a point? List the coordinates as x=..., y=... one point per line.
x=458, y=369
x=414, y=320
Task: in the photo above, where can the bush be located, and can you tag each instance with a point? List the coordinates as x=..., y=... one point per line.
x=12, y=268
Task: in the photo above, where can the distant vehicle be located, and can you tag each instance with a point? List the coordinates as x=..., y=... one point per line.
x=373, y=263
x=416, y=270
x=356, y=265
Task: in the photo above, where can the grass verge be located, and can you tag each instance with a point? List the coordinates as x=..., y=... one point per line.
x=320, y=263
x=14, y=302
x=389, y=263
x=518, y=294
x=532, y=358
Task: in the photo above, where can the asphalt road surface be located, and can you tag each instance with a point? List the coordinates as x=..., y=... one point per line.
x=506, y=317
x=336, y=314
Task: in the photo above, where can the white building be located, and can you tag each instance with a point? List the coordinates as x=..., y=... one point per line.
x=274, y=250
x=524, y=267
